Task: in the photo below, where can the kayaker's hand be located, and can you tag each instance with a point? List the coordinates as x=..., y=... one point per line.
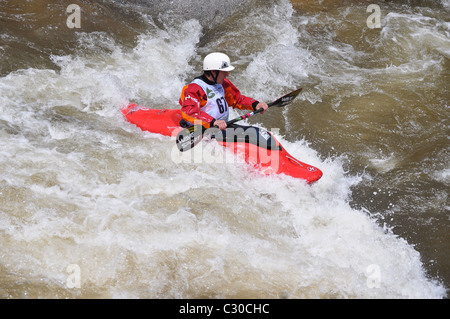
x=262, y=105
x=221, y=124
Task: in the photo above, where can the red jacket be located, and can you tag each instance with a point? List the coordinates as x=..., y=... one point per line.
x=193, y=98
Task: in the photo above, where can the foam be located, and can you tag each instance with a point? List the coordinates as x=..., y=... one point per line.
x=139, y=224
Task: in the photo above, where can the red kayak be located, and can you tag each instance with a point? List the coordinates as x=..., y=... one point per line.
x=272, y=159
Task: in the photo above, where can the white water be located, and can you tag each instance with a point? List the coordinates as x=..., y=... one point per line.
x=79, y=185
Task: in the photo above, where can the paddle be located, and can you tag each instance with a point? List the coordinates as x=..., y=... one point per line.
x=189, y=137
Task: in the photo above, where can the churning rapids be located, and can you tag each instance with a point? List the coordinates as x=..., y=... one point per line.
x=92, y=207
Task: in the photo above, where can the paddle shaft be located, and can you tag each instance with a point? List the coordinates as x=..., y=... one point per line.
x=245, y=116
x=189, y=137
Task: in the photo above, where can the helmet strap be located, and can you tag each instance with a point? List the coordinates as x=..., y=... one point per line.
x=214, y=76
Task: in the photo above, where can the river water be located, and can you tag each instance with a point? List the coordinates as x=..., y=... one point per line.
x=92, y=207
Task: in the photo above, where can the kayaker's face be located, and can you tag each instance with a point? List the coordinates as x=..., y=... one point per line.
x=222, y=76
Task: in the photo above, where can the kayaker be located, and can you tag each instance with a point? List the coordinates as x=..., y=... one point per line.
x=208, y=97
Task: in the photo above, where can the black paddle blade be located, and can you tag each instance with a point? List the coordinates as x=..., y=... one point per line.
x=286, y=99
x=189, y=137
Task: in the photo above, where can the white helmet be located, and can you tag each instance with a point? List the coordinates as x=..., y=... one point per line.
x=217, y=61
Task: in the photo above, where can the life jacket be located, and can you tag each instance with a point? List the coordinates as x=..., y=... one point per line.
x=204, y=101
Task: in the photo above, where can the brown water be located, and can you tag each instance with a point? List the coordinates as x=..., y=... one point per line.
x=90, y=206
